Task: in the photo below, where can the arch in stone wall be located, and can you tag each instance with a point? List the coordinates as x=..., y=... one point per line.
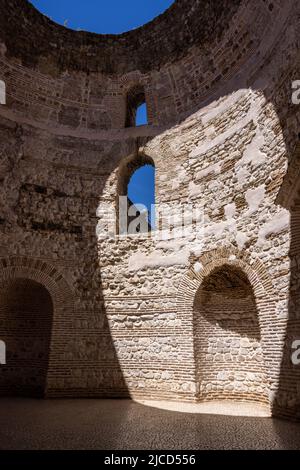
x=48, y=278
x=136, y=96
x=136, y=90
x=227, y=339
x=264, y=296
x=127, y=168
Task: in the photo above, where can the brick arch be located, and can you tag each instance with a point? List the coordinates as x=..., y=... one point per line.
x=63, y=301
x=263, y=290
x=127, y=167
x=41, y=272
x=135, y=84
x=107, y=211
x=258, y=276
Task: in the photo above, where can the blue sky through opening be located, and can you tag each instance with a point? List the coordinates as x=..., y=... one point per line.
x=141, y=188
x=141, y=115
x=102, y=16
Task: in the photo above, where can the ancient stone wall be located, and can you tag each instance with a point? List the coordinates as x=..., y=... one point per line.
x=222, y=129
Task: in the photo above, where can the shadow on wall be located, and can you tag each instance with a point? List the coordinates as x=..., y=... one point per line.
x=54, y=352
x=101, y=370
x=80, y=360
x=93, y=368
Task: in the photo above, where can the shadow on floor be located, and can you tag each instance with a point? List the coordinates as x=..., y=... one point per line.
x=126, y=425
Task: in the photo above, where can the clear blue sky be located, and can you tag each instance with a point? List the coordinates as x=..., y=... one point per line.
x=112, y=17
x=141, y=188
x=102, y=16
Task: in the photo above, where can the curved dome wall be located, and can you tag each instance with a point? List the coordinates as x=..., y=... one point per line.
x=164, y=40
x=217, y=82
x=80, y=80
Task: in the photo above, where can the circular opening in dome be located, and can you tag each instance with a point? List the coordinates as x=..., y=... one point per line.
x=104, y=16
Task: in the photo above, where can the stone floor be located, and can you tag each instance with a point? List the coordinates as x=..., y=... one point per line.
x=126, y=425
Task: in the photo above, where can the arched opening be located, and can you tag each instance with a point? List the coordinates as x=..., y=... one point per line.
x=136, y=107
x=26, y=313
x=136, y=196
x=227, y=341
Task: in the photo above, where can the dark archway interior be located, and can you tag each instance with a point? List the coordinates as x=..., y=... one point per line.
x=26, y=312
x=227, y=341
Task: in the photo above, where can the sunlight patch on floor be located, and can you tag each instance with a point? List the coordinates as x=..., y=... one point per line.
x=226, y=408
